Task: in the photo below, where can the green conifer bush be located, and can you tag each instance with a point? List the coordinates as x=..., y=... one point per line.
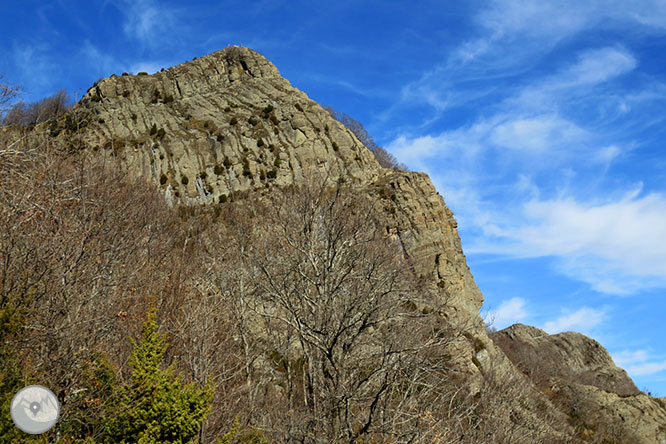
x=156, y=406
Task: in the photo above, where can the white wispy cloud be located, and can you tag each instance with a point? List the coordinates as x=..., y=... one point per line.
x=591, y=68
x=616, y=247
x=418, y=149
x=536, y=134
x=544, y=23
x=517, y=34
x=628, y=357
x=35, y=67
x=529, y=117
x=98, y=62
x=518, y=139
x=639, y=362
x=582, y=320
x=150, y=23
x=509, y=312
x=607, y=154
x=646, y=368
x=536, y=19
x=103, y=64
x=523, y=162
x=596, y=66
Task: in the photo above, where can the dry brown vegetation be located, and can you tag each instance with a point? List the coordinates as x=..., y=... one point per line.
x=7, y=94
x=23, y=114
x=296, y=306
x=82, y=249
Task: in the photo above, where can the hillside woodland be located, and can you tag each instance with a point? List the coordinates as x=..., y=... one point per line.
x=205, y=255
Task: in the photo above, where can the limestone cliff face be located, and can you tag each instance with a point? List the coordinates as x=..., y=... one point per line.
x=221, y=124
x=427, y=230
x=579, y=375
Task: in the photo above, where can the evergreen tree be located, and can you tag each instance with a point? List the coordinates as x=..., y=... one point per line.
x=156, y=407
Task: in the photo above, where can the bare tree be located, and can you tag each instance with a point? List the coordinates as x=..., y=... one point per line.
x=323, y=302
x=7, y=94
x=52, y=107
x=383, y=157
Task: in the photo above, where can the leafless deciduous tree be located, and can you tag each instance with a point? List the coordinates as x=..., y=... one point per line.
x=22, y=114
x=383, y=157
x=7, y=94
x=333, y=322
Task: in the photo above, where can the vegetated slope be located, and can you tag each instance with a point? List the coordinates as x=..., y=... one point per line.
x=580, y=377
x=226, y=128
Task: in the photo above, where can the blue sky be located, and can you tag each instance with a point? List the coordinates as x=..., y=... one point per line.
x=540, y=122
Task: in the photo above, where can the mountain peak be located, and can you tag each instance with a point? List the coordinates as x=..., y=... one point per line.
x=219, y=124
x=234, y=62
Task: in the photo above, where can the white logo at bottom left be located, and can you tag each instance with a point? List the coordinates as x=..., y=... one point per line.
x=35, y=409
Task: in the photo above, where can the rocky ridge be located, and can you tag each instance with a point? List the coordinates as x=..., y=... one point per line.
x=212, y=129
x=580, y=377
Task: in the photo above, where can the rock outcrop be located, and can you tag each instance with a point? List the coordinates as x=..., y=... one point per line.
x=228, y=123
x=219, y=125
x=580, y=378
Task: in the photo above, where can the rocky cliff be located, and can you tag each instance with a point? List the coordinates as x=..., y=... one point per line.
x=580, y=377
x=222, y=124
x=227, y=124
